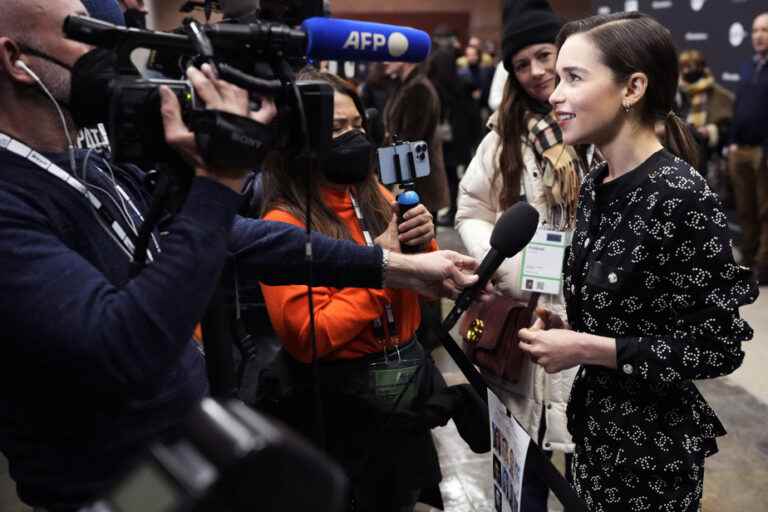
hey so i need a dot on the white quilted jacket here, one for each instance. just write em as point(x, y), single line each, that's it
point(478, 210)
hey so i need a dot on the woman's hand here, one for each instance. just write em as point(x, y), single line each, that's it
point(553, 346)
point(217, 95)
point(553, 349)
point(388, 239)
point(417, 228)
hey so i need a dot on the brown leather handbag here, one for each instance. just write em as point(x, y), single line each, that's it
point(489, 330)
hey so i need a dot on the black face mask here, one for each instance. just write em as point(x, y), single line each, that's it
point(693, 76)
point(349, 160)
point(135, 18)
point(90, 94)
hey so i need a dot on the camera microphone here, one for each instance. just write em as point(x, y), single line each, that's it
point(514, 229)
point(351, 40)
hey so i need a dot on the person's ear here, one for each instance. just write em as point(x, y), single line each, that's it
point(11, 62)
point(635, 89)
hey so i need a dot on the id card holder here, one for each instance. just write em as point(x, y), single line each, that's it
point(543, 260)
point(395, 380)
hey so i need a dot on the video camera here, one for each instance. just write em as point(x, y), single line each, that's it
point(253, 47)
point(229, 458)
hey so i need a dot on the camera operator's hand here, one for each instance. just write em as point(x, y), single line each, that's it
point(433, 274)
point(217, 95)
point(417, 228)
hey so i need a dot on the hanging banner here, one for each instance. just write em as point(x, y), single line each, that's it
point(720, 29)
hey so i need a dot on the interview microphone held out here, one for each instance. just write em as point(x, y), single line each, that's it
point(513, 231)
point(351, 40)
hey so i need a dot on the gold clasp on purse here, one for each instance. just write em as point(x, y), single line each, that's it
point(475, 331)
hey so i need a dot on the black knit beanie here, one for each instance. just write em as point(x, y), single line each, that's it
point(527, 22)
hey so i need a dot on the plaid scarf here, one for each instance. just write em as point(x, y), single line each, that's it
point(562, 168)
point(699, 93)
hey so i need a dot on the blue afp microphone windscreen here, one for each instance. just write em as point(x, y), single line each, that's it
point(339, 39)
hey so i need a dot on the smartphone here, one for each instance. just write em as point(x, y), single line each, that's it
point(403, 162)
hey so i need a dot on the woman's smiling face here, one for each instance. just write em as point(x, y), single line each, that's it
point(534, 69)
point(588, 100)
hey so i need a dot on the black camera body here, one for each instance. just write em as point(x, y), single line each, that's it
point(135, 126)
point(229, 458)
point(256, 55)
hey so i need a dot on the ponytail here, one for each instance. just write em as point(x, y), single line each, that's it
point(678, 139)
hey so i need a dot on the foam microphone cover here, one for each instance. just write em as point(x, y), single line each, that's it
point(514, 229)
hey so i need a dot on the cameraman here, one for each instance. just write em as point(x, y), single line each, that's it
point(97, 364)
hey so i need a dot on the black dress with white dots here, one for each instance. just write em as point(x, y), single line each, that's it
point(651, 265)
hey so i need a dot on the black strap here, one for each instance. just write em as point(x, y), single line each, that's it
point(541, 465)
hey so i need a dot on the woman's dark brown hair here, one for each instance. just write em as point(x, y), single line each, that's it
point(515, 102)
point(285, 181)
point(632, 42)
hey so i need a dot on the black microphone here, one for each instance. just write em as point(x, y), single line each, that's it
point(514, 229)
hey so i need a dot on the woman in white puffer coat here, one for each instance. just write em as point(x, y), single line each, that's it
point(532, 165)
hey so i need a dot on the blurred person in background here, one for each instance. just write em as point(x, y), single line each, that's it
point(413, 114)
point(479, 75)
point(524, 158)
point(748, 152)
point(377, 88)
point(710, 106)
point(135, 12)
point(460, 127)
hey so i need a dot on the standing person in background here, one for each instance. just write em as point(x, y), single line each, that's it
point(524, 158)
point(412, 114)
point(135, 13)
point(652, 291)
point(361, 333)
point(748, 152)
point(479, 75)
point(460, 127)
point(711, 105)
point(377, 88)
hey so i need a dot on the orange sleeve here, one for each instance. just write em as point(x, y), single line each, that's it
point(340, 315)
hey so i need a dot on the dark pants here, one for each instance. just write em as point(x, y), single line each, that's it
point(749, 176)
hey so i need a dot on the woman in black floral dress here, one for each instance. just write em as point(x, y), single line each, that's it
point(651, 287)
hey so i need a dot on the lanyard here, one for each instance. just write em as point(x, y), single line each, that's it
point(103, 216)
point(378, 328)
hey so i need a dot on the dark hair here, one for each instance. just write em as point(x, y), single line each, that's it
point(515, 102)
point(632, 42)
point(285, 181)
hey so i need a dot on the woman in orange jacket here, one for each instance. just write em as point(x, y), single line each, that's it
point(364, 337)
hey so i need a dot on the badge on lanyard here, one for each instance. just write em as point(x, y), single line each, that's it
point(396, 381)
point(543, 260)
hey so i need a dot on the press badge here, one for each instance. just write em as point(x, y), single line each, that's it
point(395, 380)
point(542, 262)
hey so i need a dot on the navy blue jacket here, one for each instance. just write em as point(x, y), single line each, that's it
point(95, 365)
point(750, 111)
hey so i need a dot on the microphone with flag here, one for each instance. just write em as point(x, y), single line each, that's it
point(512, 232)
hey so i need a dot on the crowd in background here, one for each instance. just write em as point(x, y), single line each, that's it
point(469, 78)
point(485, 114)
